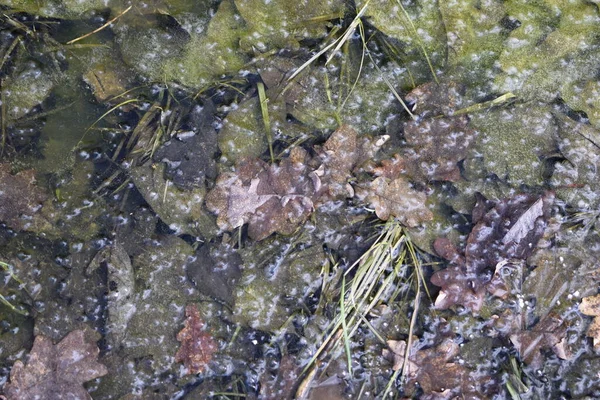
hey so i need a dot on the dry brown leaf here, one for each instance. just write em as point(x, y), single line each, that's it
point(197, 346)
point(398, 199)
point(56, 371)
point(591, 306)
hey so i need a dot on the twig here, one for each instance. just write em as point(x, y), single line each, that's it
point(100, 28)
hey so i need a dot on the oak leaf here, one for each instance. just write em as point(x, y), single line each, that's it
point(549, 333)
point(270, 198)
point(56, 371)
point(591, 306)
point(397, 199)
point(435, 371)
point(340, 156)
point(197, 346)
point(504, 230)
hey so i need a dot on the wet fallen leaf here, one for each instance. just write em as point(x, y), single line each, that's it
point(591, 306)
point(341, 154)
point(281, 386)
point(397, 199)
point(436, 141)
point(270, 198)
point(197, 346)
point(504, 230)
point(436, 146)
point(434, 371)
point(20, 200)
point(436, 99)
point(549, 333)
point(56, 371)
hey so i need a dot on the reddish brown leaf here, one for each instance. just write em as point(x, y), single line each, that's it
point(56, 371)
point(508, 229)
point(197, 346)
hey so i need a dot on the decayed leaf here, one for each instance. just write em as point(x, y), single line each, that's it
point(279, 198)
point(435, 372)
point(56, 371)
point(340, 155)
point(197, 346)
point(276, 198)
point(436, 146)
point(438, 140)
point(549, 333)
point(20, 200)
point(591, 306)
point(505, 230)
point(397, 199)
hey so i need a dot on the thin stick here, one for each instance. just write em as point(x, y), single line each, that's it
point(100, 28)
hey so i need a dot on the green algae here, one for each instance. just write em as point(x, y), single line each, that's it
point(182, 210)
point(555, 46)
point(514, 142)
point(514, 45)
point(475, 37)
point(282, 24)
point(418, 27)
point(56, 8)
point(207, 57)
point(576, 179)
point(278, 285)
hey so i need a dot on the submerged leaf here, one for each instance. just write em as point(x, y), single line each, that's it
point(197, 346)
point(437, 140)
point(276, 198)
point(434, 371)
point(508, 229)
point(549, 333)
point(398, 199)
point(56, 371)
point(20, 200)
point(591, 306)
